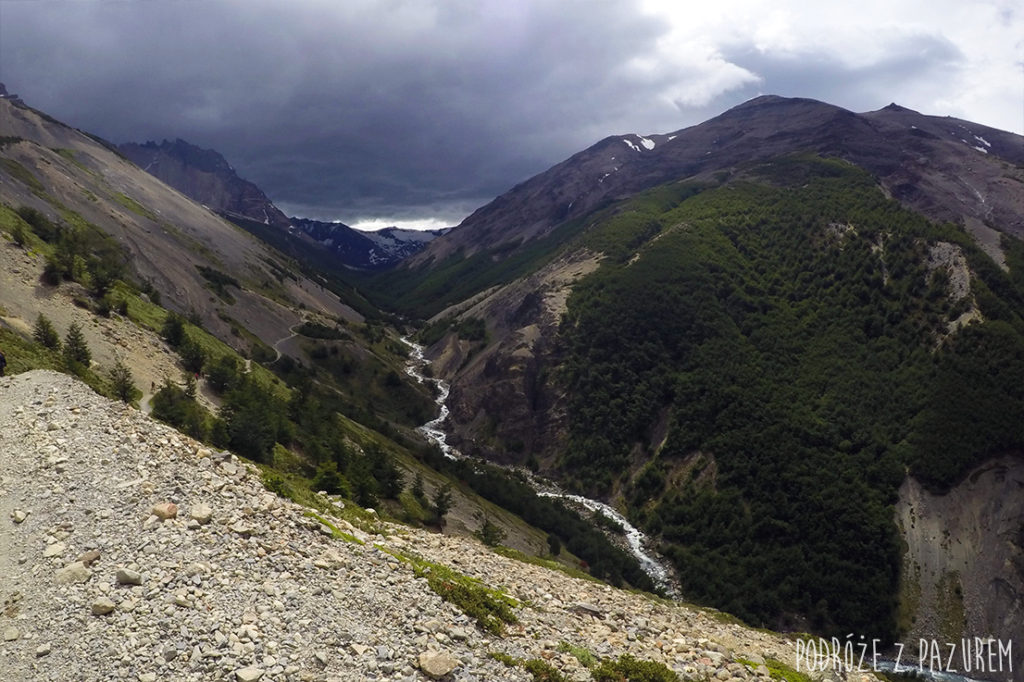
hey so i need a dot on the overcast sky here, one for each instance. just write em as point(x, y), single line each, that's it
point(422, 110)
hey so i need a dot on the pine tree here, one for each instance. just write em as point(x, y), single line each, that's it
point(76, 352)
point(122, 382)
point(442, 501)
point(44, 333)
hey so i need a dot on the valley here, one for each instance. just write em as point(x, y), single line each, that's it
point(785, 347)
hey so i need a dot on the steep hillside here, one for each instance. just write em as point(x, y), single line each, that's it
point(171, 242)
point(205, 176)
point(945, 168)
point(325, 403)
point(146, 556)
point(744, 360)
point(948, 169)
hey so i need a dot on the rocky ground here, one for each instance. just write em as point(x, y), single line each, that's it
point(130, 552)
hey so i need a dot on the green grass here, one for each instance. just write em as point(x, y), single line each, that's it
point(780, 671)
point(22, 174)
point(581, 654)
point(629, 669)
point(69, 154)
point(133, 206)
point(542, 671)
point(550, 564)
point(151, 316)
point(491, 608)
point(9, 220)
point(336, 532)
point(24, 355)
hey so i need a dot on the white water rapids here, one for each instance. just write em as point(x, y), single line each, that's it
point(435, 433)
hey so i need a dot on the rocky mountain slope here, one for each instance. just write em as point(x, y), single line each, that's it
point(666, 321)
point(170, 241)
point(129, 552)
point(949, 169)
point(205, 176)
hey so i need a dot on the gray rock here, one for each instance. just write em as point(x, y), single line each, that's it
point(201, 513)
point(437, 664)
point(126, 576)
point(249, 674)
point(11, 633)
point(56, 549)
point(102, 606)
point(73, 573)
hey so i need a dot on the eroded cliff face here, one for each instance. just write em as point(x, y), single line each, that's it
point(963, 566)
point(502, 404)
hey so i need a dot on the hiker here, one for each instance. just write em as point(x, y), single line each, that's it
point(3, 362)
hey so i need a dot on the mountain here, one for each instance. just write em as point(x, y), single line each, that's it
point(948, 169)
point(170, 243)
point(176, 556)
point(205, 176)
point(787, 343)
point(757, 337)
point(112, 276)
point(365, 250)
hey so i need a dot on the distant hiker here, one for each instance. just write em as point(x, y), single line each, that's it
point(3, 362)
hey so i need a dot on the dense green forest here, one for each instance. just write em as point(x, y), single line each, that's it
point(766, 359)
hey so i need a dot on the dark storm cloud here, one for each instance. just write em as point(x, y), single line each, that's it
point(403, 108)
point(338, 108)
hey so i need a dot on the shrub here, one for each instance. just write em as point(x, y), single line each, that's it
point(629, 669)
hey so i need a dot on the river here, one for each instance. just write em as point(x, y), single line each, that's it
point(434, 432)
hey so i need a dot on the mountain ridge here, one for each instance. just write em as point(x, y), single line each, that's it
point(763, 127)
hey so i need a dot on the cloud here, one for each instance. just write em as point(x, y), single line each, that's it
point(418, 109)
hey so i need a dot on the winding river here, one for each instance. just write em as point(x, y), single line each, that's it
point(434, 432)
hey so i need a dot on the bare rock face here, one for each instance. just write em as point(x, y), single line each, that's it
point(207, 177)
point(963, 571)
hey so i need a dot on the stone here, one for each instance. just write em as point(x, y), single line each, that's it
point(88, 558)
point(164, 510)
point(11, 634)
point(249, 674)
point(126, 576)
point(586, 609)
point(358, 649)
point(73, 573)
point(56, 549)
point(242, 529)
point(43, 649)
point(201, 513)
point(437, 664)
point(19, 516)
point(102, 606)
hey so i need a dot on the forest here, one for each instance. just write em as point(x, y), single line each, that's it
point(765, 361)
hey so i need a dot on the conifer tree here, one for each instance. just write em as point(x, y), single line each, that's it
point(44, 333)
point(76, 352)
point(122, 382)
